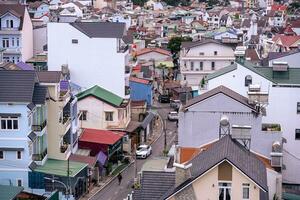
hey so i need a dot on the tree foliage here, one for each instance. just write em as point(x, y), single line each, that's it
point(174, 46)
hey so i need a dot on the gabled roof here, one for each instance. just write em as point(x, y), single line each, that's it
point(16, 9)
point(221, 89)
point(157, 50)
point(189, 45)
point(275, 55)
point(16, 85)
point(101, 94)
point(101, 29)
point(286, 40)
point(49, 76)
point(229, 150)
point(139, 80)
point(100, 136)
point(154, 184)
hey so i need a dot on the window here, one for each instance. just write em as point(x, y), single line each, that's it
point(184, 78)
point(18, 42)
point(19, 182)
point(74, 41)
point(192, 65)
point(248, 80)
point(201, 66)
point(12, 41)
point(201, 53)
point(224, 191)
point(246, 188)
point(19, 155)
point(11, 23)
point(298, 107)
point(5, 42)
point(83, 116)
point(7, 23)
point(212, 65)
point(9, 123)
point(297, 134)
point(109, 116)
point(1, 155)
point(215, 53)
point(231, 62)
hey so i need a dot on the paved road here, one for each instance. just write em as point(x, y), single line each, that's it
point(113, 191)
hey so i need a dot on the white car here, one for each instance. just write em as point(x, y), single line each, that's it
point(173, 116)
point(143, 151)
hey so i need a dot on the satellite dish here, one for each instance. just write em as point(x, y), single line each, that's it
point(224, 121)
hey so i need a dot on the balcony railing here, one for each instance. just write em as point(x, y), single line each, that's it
point(39, 128)
point(64, 148)
point(123, 49)
point(39, 157)
point(63, 95)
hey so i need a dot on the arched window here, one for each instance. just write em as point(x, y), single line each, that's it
point(11, 23)
point(248, 80)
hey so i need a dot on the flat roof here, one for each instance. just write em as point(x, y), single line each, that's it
point(59, 167)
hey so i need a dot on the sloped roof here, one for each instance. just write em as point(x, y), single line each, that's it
point(221, 89)
point(90, 160)
point(189, 45)
point(16, 85)
point(102, 94)
point(49, 76)
point(292, 76)
point(8, 192)
point(139, 80)
point(39, 94)
point(286, 40)
point(15, 9)
point(101, 29)
point(154, 185)
point(226, 149)
point(100, 136)
point(157, 50)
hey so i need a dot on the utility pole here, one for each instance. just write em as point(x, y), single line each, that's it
point(68, 173)
point(165, 134)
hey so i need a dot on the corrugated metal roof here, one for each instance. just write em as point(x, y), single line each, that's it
point(100, 136)
point(16, 85)
point(49, 76)
point(8, 192)
point(101, 94)
point(101, 29)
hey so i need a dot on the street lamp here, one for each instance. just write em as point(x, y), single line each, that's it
point(53, 180)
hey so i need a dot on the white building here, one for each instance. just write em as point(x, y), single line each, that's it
point(283, 87)
point(16, 33)
point(94, 53)
point(198, 59)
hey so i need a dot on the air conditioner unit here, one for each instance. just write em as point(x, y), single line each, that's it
point(276, 159)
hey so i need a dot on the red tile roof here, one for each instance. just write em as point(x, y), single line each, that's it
point(277, 7)
point(157, 50)
point(139, 80)
point(286, 40)
point(100, 136)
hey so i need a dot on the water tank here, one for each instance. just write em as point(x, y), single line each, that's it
point(224, 121)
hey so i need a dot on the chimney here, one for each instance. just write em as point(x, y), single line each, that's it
point(182, 173)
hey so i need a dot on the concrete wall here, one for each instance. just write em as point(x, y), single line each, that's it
point(96, 114)
point(281, 109)
point(27, 38)
point(12, 168)
point(93, 61)
point(40, 39)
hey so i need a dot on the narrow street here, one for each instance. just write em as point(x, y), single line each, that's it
point(114, 191)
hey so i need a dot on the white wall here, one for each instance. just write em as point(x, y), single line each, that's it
point(281, 109)
point(153, 55)
point(27, 38)
point(93, 61)
point(40, 39)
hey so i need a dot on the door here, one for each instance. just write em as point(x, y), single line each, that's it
point(224, 191)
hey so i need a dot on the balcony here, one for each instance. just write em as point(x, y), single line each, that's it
point(40, 129)
point(64, 96)
point(40, 158)
point(64, 148)
point(13, 50)
point(271, 128)
point(10, 31)
point(123, 48)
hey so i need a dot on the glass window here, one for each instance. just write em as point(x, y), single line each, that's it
point(297, 134)
point(215, 53)
point(298, 107)
point(192, 65)
point(19, 182)
point(224, 191)
point(201, 66)
point(212, 65)
point(19, 155)
point(7, 23)
point(246, 188)
point(74, 41)
point(248, 80)
point(3, 124)
point(109, 116)
point(11, 23)
point(5, 42)
point(18, 42)
point(1, 155)
point(13, 42)
point(9, 124)
point(83, 116)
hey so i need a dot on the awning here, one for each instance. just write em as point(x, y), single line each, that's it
point(147, 120)
point(132, 126)
point(10, 114)
point(11, 149)
point(32, 165)
point(32, 136)
point(59, 167)
point(31, 106)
